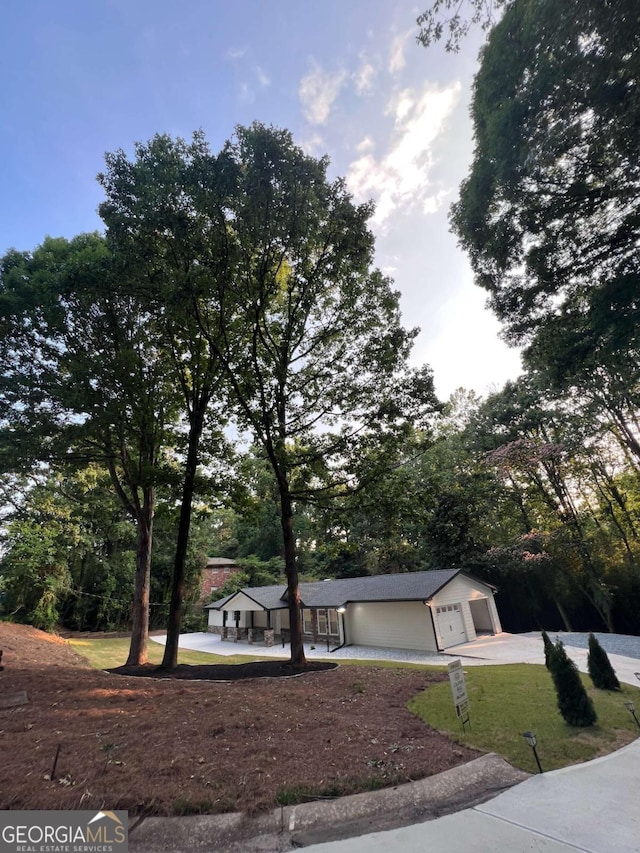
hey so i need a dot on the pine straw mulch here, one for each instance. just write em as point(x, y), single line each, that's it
point(172, 746)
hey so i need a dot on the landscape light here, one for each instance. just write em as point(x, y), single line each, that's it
point(631, 708)
point(532, 740)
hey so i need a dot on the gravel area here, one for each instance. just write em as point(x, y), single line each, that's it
point(614, 644)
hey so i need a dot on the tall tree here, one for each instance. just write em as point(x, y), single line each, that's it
point(83, 378)
point(321, 373)
point(165, 212)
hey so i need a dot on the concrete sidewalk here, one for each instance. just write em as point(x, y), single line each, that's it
point(591, 807)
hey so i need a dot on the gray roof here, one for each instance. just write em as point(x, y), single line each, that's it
point(409, 586)
point(269, 597)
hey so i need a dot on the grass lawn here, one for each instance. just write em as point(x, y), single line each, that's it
point(106, 654)
point(508, 700)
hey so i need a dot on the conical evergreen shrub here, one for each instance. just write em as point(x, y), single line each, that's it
point(575, 705)
point(599, 666)
point(548, 649)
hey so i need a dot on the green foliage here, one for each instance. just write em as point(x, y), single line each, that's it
point(599, 666)
point(574, 704)
point(549, 212)
point(548, 649)
point(445, 17)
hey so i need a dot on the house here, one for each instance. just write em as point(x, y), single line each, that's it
point(217, 571)
point(426, 611)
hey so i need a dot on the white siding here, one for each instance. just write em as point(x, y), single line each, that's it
point(497, 626)
point(240, 601)
point(393, 625)
point(215, 617)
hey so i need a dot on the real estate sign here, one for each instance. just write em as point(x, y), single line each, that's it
point(459, 688)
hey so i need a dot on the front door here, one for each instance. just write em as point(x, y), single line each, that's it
point(451, 625)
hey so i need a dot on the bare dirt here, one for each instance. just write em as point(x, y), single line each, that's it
point(179, 746)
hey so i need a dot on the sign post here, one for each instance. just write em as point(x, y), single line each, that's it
point(459, 690)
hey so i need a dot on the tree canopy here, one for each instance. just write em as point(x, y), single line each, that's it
point(550, 211)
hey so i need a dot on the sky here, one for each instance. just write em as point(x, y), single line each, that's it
point(348, 79)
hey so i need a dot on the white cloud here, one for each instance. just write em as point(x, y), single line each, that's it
point(246, 93)
point(365, 145)
point(473, 356)
point(363, 77)
point(401, 179)
point(313, 145)
point(235, 53)
point(263, 77)
point(396, 55)
point(318, 90)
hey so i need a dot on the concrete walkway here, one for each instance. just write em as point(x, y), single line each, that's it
point(591, 807)
point(499, 649)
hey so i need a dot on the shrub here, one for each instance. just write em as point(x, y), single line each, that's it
point(573, 702)
point(599, 666)
point(548, 649)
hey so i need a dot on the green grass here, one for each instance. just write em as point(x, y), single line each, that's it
point(105, 654)
point(508, 700)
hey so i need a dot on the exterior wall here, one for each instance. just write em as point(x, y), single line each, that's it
point(213, 578)
point(214, 624)
point(391, 624)
point(493, 610)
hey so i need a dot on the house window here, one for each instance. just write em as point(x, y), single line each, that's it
point(323, 615)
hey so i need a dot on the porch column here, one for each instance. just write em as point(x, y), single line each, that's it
point(314, 626)
point(224, 624)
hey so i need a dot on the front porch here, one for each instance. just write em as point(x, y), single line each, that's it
point(244, 620)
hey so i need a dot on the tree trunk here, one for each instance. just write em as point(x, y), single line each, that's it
point(170, 657)
point(140, 621)
point(298, 660)
point(563, 615)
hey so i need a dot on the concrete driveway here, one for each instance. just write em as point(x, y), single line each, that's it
point(498, 649)
point(516, 648)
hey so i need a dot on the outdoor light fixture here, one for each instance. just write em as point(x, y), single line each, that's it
point(342, 609)
point(631, 708)
point(532, 740)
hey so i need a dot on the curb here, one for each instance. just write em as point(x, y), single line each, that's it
point(292, 827)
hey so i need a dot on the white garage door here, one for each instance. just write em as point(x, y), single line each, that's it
point(451, 625)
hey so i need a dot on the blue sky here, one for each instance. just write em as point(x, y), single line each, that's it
point(82, 77)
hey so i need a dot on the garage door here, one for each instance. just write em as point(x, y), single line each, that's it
point(451, 625)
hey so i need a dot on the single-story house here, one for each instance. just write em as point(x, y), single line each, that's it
point(426, 611)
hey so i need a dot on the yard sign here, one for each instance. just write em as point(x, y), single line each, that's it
point(459, 690)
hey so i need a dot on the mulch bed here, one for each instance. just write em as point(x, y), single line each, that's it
point(224, 671)
point(174, 746)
